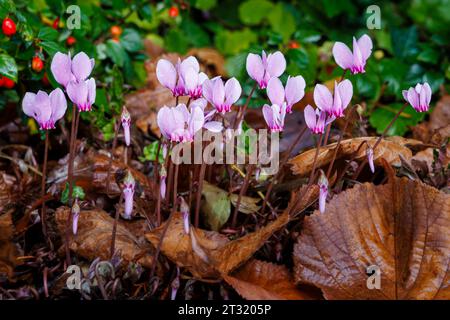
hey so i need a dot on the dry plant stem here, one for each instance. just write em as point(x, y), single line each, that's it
point(349, 162)
point(198, 199)
point(361, 166)
point(242, 193)
point(327, 134)
point(315, 161)
point(158, 194)
point(175, 188)
point(158, 248)
point(114, 230)
point(75, 117)
point(336, 149)
point(241, 113)
point(111, 157)
point(44, 178)
point(285, 159)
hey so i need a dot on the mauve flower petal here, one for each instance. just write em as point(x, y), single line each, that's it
point(413, 98)
point(275, 91)
point(190, 77)
point(322, 199)
point(255, 67)
point(190, 62)
point(310, 117)
point(161, 120)
point(183, 110)
point(207, 90)
point(28, 105)
point(199, 103)
point(78, 92)
point(276, 64)
point(166, 74)
point(81, 66)
point(218, 93)
point(428, 91)
point(342, 55)
point(196, 121)
point(268, 114)
point(365, 46)
point(323, 98)
point(295, 90)
point(42, 107)
point(405, 94)
point(213, 126)
point(58, 104)
point(357, 55)
point(128, 197)
point(233, 91)
point(92, 91)
point(126, 133)
point(202, 77)
point(345, 89)
point(61, 68)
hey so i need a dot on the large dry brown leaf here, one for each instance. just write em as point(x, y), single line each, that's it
point(7, 194)
point(259, 280)
point(8, 250)
point(93, 238)
point(402, 227)
point(389, 149)
point(208, 254)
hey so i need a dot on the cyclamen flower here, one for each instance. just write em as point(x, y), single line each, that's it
point(418, 97)
point(369, 153)
point(262, 68)
point(334, 106)
point(315, 120)
point(184, 78)
point(274, 116)
point(82, 94)
point(222, 96)
point(293, 93)
point(356, 61)
point(128, 194)
point(323, 191)
point(178, 124)
point(75, 216)
point(66, 70)
point(162, 182)
point(209, 124)
point(126, 123)
point(45, 109)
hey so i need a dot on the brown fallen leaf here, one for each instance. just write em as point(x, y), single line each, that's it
point(428, 157)
point(208, 254)
point(259, 280)
point(388, 148)
point(93, 238)
point(212, 62)
point(437, 129)
point(9, 251)
point(7, 195)
point(403, 228)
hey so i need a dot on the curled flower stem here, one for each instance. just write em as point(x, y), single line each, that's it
point(361, 166)
point(311, 177)
point(199, 193)
point(327, 134)
point(114, 230)
point(111, 156)
point(242, 193)
point(44, 178)
point(285, 159)
point(240, 114)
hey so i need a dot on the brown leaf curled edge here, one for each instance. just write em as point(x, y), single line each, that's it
point(402, 227)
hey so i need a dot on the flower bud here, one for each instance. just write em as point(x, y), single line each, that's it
point(128, 193)
point(369, 153)
point(162, 181)
point(126, 123)
point(323, 191)
point(75, 216)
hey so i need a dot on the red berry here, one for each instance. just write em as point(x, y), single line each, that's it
point(71, 41)
point(173, 12)
point(116, 31)
point(37, 64)
point(8, 27)
point(55, 23)
point(8, 83)
point(294, 45)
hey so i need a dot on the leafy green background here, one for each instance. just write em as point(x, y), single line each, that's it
point(411, 46)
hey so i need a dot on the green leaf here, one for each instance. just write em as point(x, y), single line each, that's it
point(116, 52)
point(48, 34)
point(117, 84)
point(334, 8)
point(205, 4)
point(150, 151)
point(235, 65)
point(77, 192)
point(429, 55)
point(404, 42)
point(176, 41)
point(382, 116)
point(393, 72)
point(252, 12)
point(233, 42)
point(50, 47)
point(131, 40)
point(282, 21)
point(196, 35)
point(216, 207)
point(8, 67)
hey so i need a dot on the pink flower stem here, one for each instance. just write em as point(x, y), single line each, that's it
point(240, 114)
point(111, 157)
point(311, 177)
point(361, 166)
point(199, 194)
point(44, 178)
point(158, 194)
point(242, 193)
point(285, 159)
point(114, 230)
point(175, 187)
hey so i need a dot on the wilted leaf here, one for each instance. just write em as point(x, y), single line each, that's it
point(208, 254)
point(6, 189)
point(216, 206)
point(93, 238)
point(403, 228)
point(259, 280)
point(248, 205)
point(8, 250)
point(388, 149)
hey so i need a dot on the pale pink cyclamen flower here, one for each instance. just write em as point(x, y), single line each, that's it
point(263, 68)
point(222, 96)
point(274, 116)
point(323, 191)
point(128, 194)
point(66, 70)
point(316, 120)
point(418, 97)
point(162, 182)
point(45, 108)
point(334, 106)
point(209, 124)
point(75, 216)
point(369, 153)
point(291, 94)
point(125, 119)
point(178, 124)
point(82, 94)
point(182, 79)
point(356, 61)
